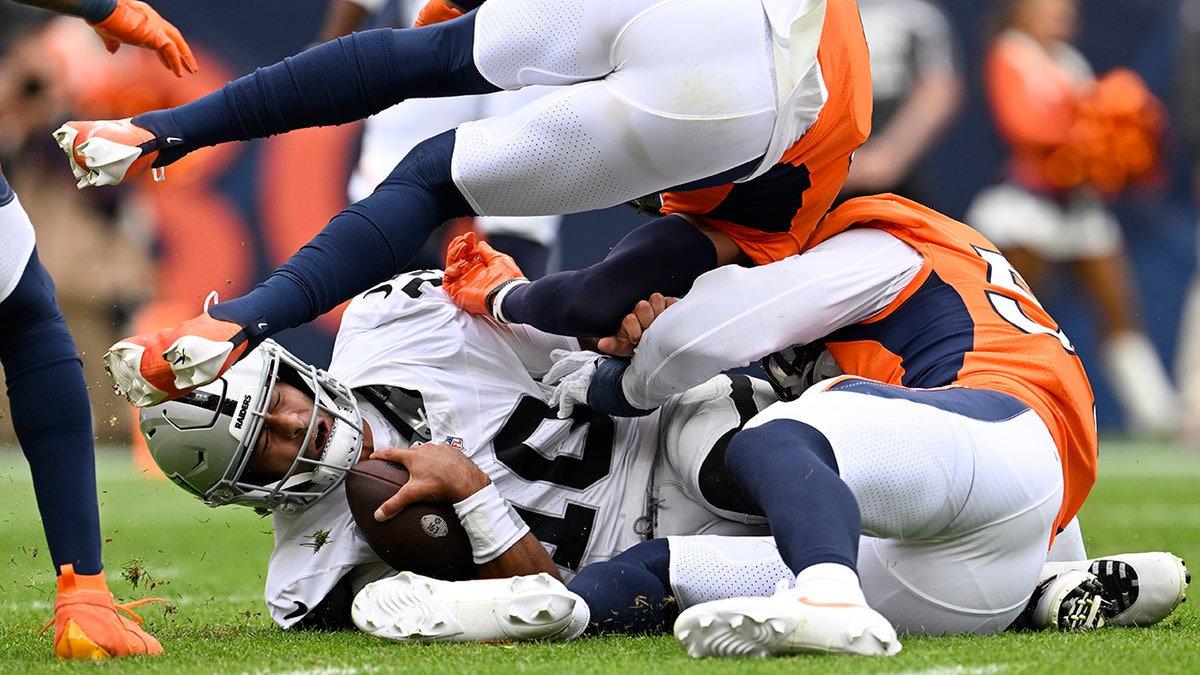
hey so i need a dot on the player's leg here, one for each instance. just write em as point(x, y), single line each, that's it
point(958, 488)
point(692, 491)
point(52, 419)
point(789, 470)
point(559, 154)
point(643, 589)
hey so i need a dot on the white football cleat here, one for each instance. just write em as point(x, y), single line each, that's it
point(409, 607)
point(1066, 599)
point(785, 623)
point(1140, 588)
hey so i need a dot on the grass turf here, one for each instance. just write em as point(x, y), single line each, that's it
point(208, 564)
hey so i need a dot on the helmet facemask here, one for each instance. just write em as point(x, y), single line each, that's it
point(205, 440)
point(793, 370)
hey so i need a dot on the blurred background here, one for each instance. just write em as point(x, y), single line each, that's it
point(141, 256)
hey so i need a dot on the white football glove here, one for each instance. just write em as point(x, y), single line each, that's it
point(571, 375)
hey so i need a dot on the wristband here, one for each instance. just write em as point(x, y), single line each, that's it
point(495, 299)
point(95, 11)
point(492, 524)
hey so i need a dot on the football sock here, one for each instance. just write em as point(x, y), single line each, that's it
point(369, 241)
point(52, 418)
point(664, 255)
point(788, 469)
point(340, 81)
point(631, 593)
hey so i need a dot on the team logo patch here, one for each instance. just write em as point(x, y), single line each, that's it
point(455, 442)
point(435, 526)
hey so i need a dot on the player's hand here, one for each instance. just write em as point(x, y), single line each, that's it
point(571, 375)
point(475, 274)
point(436, 11)
point(136, 23)
point(436, 473)
point(627, 337)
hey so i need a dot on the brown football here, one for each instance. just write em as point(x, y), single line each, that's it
point(426, 538)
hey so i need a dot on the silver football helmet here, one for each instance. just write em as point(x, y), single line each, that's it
point(793, 370)
point(204, 440)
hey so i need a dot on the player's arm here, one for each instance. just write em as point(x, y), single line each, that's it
point(734, 316)
point(501, 542)
point(129, 22)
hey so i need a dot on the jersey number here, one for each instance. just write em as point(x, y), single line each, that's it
point(569, 533)
point(1001, 273)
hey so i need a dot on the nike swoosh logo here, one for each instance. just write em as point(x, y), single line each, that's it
point(174, 139)
point(262, 325)
point(386, 289)
point(301, 610)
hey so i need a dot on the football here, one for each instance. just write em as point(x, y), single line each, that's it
point(426, 538)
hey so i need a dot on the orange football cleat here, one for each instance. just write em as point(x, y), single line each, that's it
point(150, 369)
point(87, 624)
point(478, 276)
point(108, 151)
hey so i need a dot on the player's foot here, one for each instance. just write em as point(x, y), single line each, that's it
point(150, 369)
point(411, 608)
point(107, 152)
point(1140, 589)
point(785, 623)
point(1065, 599)
point(86, 622)
point(478, 276)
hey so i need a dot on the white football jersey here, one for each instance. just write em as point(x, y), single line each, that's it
point(580, 483)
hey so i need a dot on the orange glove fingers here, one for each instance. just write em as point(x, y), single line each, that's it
point(436, 11)
point(136, 23)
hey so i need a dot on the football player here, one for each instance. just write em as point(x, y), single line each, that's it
point(410, 367)
point(739, 116)
point(541, 497)
point(51, 414)
point(960, 441)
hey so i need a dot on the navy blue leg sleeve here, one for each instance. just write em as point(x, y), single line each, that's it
point(630, 594)
point(788, 469)
point(664, 255)
point(340, 81)
point(52, 418)
point(367, 243)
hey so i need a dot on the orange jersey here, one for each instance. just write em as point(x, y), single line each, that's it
point(776, 214)
point(991, 333)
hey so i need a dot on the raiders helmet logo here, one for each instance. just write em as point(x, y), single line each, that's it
point(435, 526)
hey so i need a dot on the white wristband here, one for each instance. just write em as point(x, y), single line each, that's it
point(492, 524)
point(496, 302)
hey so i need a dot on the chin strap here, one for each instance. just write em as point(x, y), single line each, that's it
point(403, 408)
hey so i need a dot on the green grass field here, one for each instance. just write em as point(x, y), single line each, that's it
point(208, 564)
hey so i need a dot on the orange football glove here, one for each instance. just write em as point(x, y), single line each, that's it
point(87, 624)
point(436, 11)
point(136, 23)
point(478, 276)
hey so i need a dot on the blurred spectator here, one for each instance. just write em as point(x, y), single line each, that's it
point(1075, 141)
point(389, 135)
point(95, 246)
point(1185, 108)
point(917, 90)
